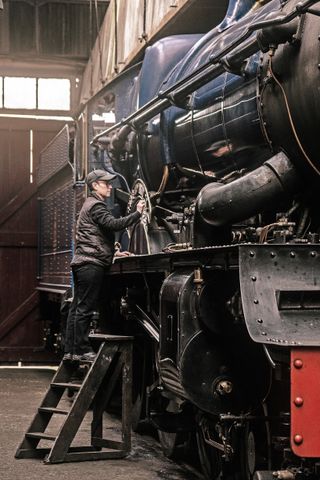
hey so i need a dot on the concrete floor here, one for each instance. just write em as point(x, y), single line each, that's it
point(20, 394)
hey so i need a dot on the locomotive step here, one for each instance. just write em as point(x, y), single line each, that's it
point(71, 386)
point(58, 411)
point(41, 435)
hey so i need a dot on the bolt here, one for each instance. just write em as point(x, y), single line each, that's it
point(298, 401)
point(224, 387)
point(298, 439)
point(298, 363)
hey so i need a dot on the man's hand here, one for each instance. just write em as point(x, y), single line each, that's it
point(141, 206)
point(118, 254)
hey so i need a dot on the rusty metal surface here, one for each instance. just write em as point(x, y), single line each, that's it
point(305, 395)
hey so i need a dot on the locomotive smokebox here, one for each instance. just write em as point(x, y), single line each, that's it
point(289, 100)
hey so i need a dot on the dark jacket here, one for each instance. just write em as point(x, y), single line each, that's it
point(95, 232)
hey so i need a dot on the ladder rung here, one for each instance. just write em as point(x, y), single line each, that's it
point(45, 436)
point(71, 386)
point(53, 410)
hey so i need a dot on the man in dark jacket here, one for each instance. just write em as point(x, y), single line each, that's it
point(93, 257)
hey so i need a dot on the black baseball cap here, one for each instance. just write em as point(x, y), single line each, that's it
point(96, 175)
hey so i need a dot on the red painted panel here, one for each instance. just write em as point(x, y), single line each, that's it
point(305, 402)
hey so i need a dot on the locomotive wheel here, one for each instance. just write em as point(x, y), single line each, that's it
point(142, 376)
point(175, 445)
point(138, 233)
point(169, 443)
point(248, 454)
point(210, 457)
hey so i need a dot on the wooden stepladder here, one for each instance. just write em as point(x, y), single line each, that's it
point(114, 358)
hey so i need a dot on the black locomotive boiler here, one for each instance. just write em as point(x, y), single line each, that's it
point(219, 133)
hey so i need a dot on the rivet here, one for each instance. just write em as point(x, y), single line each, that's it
point(272, 254)
point(251, 254)
point(253, 278)
point(298, 439)
point(292, 254)
point(255, 301)
point(298, 401)
point(298, 363)
point(260, 320)
point(312, 254)
point(263, 333)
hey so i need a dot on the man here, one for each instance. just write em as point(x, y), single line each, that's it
point(93, 257)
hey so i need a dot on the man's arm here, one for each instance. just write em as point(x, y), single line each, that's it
point(106, 220)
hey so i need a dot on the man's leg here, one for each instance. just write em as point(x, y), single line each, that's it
point(89, 280)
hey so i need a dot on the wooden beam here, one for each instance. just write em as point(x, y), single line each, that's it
point(15, 317)
point(21, 239)
point(17, 202)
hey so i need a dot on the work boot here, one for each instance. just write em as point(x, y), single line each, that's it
point(67, 357)
point(88, 357)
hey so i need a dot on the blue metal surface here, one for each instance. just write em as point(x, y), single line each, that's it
point(159, 60)
point(221, 118)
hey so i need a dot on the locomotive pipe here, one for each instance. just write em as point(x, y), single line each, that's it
point(208, 71)
point(220, 204)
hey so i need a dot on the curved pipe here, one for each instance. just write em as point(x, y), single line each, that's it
point(274, 181)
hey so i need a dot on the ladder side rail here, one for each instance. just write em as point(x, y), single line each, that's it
point(127, 396)
point(40, 421)
point(101, 401)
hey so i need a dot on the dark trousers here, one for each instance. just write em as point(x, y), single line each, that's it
point(88, 281)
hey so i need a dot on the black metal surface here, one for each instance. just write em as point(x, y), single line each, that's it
point(295, 66)
point(280, 287)
point(195, 359)
point(262, 189)
point(220, 258)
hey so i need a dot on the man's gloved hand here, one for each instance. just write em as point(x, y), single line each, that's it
point(118, 254)
point(141, 206)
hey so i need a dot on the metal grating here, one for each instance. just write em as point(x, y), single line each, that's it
point(55, 156)
point(56, 239)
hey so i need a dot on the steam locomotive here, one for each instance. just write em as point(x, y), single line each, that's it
point(219, 134)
